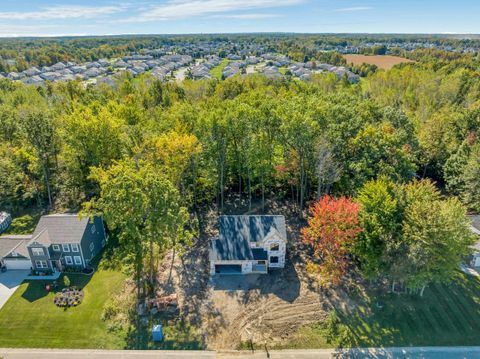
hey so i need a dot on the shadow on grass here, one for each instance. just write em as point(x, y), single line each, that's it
point(37, 289)
point(447, 314)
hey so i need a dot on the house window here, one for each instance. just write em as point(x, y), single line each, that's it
point(75, 248)
point(103, 243)
point(93, 229)
point(275, 247)
point(92, 246)
point(273, 259)
point(65, 247)
point(41, 264)
point(38, 252)
point(56, 247)
point(68, 260)
point(77, 260)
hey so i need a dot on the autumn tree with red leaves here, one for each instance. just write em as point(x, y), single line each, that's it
point(333, 224)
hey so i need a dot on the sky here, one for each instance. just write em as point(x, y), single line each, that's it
point(108, 17)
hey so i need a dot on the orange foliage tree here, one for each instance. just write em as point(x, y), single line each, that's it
point(333, 224)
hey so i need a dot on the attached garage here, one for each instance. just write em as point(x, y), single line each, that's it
point(228, 268)
point(15, 264)
point(14, 252)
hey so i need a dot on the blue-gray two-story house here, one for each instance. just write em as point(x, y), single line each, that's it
point(65, 240)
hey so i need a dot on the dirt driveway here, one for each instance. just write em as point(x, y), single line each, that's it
point(260, 308)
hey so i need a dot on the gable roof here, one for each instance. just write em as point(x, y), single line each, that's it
point(59, 228)
point(237, 232)
point(14, 242)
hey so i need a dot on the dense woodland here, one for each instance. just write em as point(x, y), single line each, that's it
point(398, 155)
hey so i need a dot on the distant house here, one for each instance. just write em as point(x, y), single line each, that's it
point(59, 241)
point(475, 262)
point(5, 220)
point(248, 244)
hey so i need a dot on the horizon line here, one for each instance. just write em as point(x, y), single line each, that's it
point(52, 36)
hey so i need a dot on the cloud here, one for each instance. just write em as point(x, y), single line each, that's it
point(247, 16)
point(63, 12)
point(353, 9)
point(180, 9)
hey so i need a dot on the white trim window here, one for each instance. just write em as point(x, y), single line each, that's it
point(75, 247)
point(92, 247)
point(275, 247)
point(56, 247)
point(68, 260)
point(65, 247)
point(41, 264)
point(93, 229)
point(38, 252)
point(78, 260)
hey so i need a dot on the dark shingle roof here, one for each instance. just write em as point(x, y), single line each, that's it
point(237, 232)
point(60, 228)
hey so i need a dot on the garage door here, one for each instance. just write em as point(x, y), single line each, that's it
point(228, 269)
point(13, 264)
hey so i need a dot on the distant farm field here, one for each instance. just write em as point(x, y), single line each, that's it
point(381, 61)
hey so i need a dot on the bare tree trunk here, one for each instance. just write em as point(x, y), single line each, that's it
point(151, 263)
point(47, 182)
point(249, 190)
point(263, 195)
point(171, 266)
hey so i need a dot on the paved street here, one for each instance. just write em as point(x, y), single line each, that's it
point(9, 282)
point(102, 354)
point(374, 353)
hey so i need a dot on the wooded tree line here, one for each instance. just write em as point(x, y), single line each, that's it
point(144, 150)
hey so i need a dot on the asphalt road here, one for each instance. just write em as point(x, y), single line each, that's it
point(374, 353)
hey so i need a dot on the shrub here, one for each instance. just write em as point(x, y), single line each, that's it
point(66, 281)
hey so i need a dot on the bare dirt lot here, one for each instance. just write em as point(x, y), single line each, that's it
point(230, 310)
point(385, 62)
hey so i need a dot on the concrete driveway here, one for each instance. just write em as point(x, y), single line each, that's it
point(9, 282)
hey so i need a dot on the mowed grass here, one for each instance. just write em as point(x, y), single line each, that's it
point(447, 315)
point(30, 319)
point(385, 62)
point(216, 71)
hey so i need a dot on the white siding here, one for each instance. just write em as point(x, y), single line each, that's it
point(13, 264)
point(280, 253)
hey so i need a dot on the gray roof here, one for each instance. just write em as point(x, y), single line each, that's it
point(237, 232)
point(10, 242)
point(60, 228)
point(475, 222)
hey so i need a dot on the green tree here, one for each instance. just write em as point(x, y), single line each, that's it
point(436, 233)
point(380, 219)
point(140, 204)
point(39, 128)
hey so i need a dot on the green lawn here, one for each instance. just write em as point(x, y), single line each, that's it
point(30, 319)
point(446, 315)
point(216, 71)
